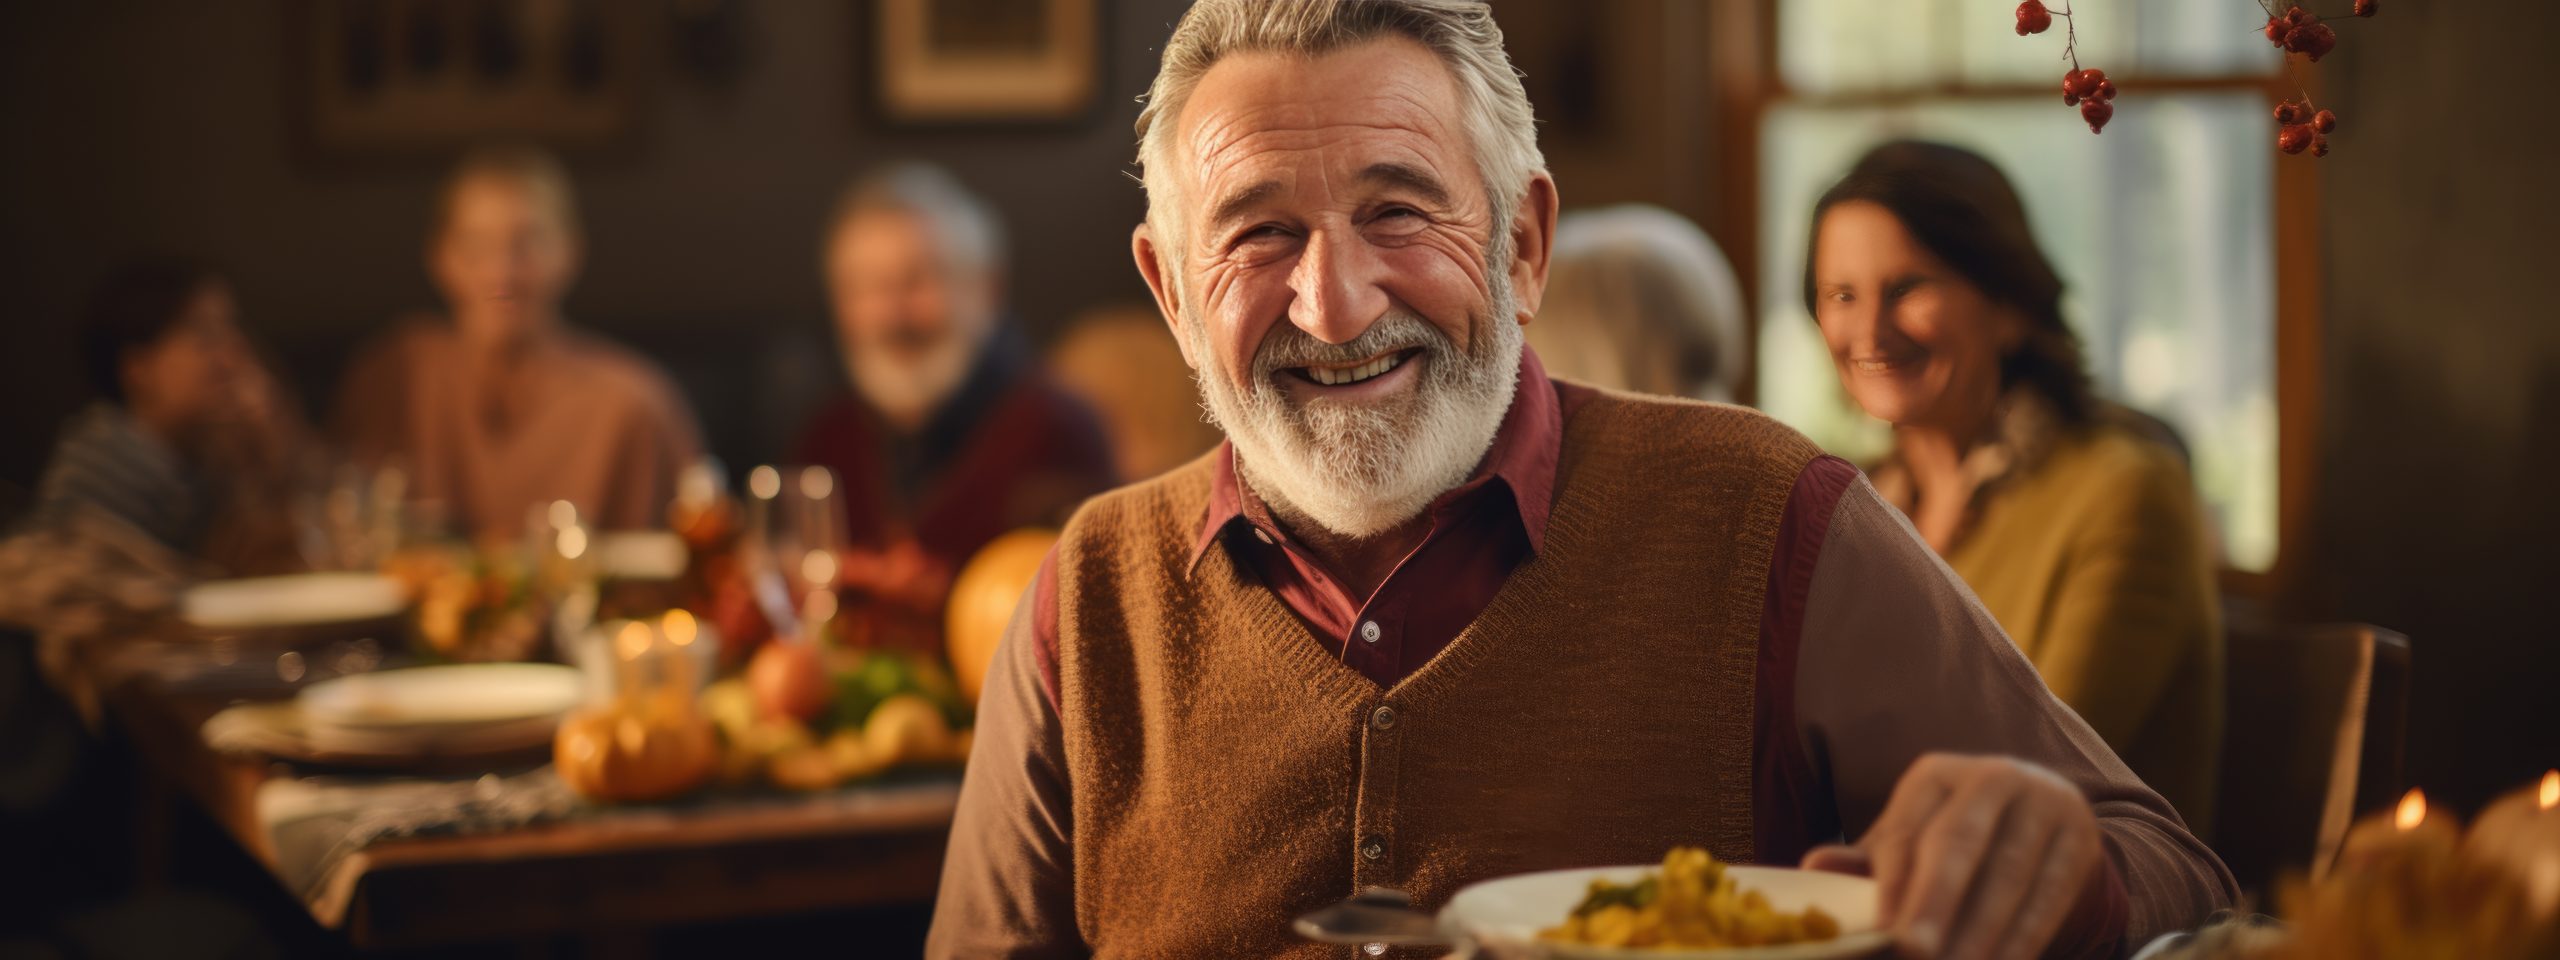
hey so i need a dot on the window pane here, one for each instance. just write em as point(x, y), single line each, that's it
point(1990, 51)
point(1837, 46)
point(1833, 45)
point(2192, 38)
point(2162, 229)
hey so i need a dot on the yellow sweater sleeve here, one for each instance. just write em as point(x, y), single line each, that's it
point(2135, 596)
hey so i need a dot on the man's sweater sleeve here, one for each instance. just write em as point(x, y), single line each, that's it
point(1899, 659)
point(1008, 881)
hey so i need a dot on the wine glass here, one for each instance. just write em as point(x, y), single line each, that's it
point(817, 521)
point(790, 556)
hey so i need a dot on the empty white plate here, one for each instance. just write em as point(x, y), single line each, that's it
point(296, 600)
point(280, 730)
point(461, 695)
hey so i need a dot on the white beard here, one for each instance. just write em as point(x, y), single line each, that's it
point(906, 391)
point(1359, 471)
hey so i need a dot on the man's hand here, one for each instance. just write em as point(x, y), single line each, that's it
point(1975, 857)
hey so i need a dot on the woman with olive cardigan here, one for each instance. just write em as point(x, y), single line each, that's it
point(2078, 529)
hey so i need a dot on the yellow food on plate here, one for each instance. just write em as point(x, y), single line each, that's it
point(1690, 905)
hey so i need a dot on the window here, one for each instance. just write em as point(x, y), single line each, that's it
point(2164, 228)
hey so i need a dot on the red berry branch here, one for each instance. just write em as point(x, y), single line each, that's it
point(2090, 90)
point(2300, 125)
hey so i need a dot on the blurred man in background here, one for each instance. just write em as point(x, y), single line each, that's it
point(507, 407)
point(951, 434)
point(1639, 298)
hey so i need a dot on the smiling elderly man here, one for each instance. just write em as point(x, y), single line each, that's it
point(1430, 617)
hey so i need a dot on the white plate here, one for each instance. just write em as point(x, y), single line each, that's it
point(462, 695)
point(280, 730)
point(298, 600)
point(1504, 916)
point(640, 555)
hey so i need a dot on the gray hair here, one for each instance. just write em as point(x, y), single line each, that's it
point(1494, 107)
point(1639, 298)
point(967, 228)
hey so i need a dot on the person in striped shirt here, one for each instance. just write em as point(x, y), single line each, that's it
point(179, 468)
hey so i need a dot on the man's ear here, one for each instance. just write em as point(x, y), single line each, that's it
point(1533, 240)
point(1142, 247)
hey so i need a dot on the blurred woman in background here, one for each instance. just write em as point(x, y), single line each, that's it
point(506, 406)
point(1639, 299)
point(2081, 535)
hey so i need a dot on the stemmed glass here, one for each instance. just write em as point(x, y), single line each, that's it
point(798, 517)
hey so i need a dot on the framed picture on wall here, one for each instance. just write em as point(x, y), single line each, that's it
point(984, 61)
point(385, 77)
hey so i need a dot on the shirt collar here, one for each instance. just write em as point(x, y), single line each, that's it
point(1523, 457)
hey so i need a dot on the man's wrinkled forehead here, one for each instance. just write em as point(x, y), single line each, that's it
point(1261, 116)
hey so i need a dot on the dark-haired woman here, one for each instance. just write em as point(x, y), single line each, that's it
point(2080, 533)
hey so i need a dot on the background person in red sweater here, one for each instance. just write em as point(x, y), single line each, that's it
point(951, 434)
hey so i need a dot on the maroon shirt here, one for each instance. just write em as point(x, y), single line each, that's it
point(1479, 533)
point(1009, 449)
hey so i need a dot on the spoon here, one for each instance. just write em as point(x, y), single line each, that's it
point(1380, 915)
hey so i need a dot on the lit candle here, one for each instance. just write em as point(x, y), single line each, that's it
point(679, 629)
point(2409, 830)
point(2520, 832)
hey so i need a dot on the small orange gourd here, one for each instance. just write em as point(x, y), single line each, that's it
point(652, 740)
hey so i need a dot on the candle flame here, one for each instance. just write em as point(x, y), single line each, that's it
point(680, 627)
point(2413, 810)
point(2551, 789)
point(633, 642)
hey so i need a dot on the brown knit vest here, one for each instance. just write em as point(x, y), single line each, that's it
point(1228, 773)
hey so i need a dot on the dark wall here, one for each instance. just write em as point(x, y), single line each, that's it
point(2442, 434)
point(165, 125)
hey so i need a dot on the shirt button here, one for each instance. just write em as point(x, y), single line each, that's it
point(1374, 949)
point(1369, 631)
point(1373, 849)
point(1262, 534)
point(1383, 718)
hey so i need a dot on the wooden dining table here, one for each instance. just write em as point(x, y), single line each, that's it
point(710, 858)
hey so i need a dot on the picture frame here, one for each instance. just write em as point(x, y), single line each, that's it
point(410, 78)
point(968, 62)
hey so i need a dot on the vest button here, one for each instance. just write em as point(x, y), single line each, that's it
point(1369, 631)
point(1374, 949)
point(1384, 718)
point(1373, 849)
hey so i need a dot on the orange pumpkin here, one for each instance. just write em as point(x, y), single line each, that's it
point(652, 741)
point(622, 755)
point(982, 600)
